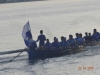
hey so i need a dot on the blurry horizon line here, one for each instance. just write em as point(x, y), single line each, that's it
point(15, 1)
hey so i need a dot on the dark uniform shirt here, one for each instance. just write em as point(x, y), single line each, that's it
point(32, 45)
point(41, 39)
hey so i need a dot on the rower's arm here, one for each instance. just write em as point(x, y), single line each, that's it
point(37, 39)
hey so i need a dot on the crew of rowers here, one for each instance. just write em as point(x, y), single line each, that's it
point(79, 40)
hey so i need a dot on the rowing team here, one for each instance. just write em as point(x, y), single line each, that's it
point(79, 40)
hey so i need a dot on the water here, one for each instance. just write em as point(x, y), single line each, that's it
point(57, 18)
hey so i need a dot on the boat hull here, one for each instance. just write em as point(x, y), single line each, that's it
point(42, 54)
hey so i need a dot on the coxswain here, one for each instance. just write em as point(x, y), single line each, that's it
point(41, 38)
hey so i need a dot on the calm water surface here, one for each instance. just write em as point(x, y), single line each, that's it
point(56, 18)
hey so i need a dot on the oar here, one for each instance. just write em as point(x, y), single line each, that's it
point(17, 55)
point(12, 51)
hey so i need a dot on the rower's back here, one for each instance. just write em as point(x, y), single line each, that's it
point(32, 45)
point(86, 37)
point(48, 44)
point(80, 40)
point(71, 41)
point(55, 44)
point(95, 35)
point(90, 38)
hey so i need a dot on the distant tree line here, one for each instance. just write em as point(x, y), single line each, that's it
point(2, 1)
point(5, 1)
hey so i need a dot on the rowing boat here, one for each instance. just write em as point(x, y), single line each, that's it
point(45, 53)
point(42, 54)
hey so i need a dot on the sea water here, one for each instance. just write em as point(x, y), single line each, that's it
point(56, 18)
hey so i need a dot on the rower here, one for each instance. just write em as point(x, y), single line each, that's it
point(71, 41)
point(95, 35)
point(77, 36)
point(32, 45)
point(90, 39)
point(98, 37)
point(62, 42)
point(41, 38)
point(80, 40)
point(48, 44)
point(86, 37)
point(65, 42)
point(55, 44)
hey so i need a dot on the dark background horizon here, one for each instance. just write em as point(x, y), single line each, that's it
point(12, 1)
